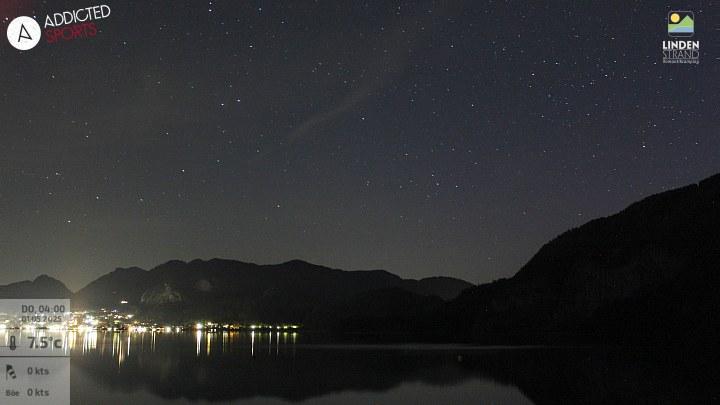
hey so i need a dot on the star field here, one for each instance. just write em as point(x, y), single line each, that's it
point(424, 138)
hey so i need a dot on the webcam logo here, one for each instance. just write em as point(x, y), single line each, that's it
point(681, 24)
point(24, 33)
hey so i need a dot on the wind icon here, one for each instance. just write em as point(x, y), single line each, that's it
point(9, 372)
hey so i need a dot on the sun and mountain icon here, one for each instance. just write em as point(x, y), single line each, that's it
point(681, 23)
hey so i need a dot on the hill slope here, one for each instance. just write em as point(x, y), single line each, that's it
point(649, 274)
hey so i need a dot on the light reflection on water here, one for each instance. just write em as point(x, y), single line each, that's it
point(262, 367)
point(120, 344)
point(281, 367)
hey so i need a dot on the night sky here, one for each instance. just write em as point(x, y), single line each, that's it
point(425, 137)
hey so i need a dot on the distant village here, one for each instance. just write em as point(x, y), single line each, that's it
point(116, 320)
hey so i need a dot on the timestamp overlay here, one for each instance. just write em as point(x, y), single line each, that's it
point(34, 351)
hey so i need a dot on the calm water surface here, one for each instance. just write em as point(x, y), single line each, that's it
point(297, 368)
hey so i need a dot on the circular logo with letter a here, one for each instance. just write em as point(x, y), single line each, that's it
point(24, 33)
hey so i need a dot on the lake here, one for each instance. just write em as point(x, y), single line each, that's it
point(303, 368)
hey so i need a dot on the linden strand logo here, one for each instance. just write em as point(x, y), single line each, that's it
point(24, 32)
point(681, 24)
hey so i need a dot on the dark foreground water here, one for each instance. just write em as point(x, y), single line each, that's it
point(281, 368)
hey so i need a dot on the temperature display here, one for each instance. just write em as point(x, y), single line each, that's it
point(34, 352)
point(44, 342)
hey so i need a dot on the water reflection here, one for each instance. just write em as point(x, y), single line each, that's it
point(119, 345)
point(166, 367)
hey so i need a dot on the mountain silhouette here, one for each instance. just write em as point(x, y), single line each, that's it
point(43, 287)
point(646, 275)
point(295, 291)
